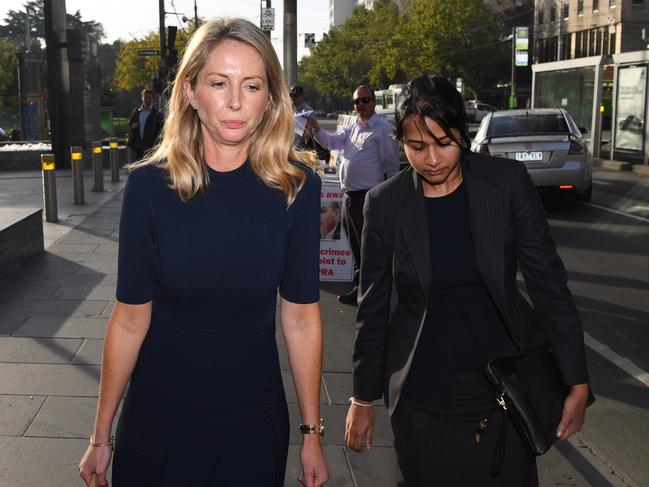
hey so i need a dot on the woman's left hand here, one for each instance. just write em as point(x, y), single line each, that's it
point(315, 471)
point(574, 411)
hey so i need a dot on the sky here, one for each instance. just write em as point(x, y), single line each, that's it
point(128, 19)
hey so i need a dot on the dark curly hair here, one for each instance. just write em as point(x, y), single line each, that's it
point(434, 97)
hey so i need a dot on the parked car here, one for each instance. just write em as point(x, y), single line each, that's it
point(546, 140)
point(476, 110)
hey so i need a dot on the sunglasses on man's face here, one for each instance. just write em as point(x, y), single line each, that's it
point(362, 99)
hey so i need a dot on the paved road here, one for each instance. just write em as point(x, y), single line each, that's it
point(605, 246)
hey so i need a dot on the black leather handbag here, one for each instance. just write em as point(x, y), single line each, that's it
point(531, 392)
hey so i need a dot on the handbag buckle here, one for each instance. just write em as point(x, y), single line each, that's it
point(501, 400)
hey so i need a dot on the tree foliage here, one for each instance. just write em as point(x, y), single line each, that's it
point(385, 45)
point(8, 78)
point(135, 71)
point(15, 24)
point(353, 53)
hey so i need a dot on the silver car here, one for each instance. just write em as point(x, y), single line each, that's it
point(546, 140)
point(476, 110)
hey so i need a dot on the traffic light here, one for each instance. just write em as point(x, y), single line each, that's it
point(172, 53)
point(171, 37)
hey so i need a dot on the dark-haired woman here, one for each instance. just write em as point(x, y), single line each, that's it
point(441, 247)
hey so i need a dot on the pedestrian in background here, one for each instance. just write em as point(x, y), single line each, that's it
point(297, 97)
point(441, 247)
point(305, 139)
point(222, 216)
point(145, 125)
point(369, 157)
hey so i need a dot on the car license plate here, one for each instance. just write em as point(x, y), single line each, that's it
point(529, 156)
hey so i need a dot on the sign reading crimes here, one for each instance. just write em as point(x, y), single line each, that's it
point(336, 261)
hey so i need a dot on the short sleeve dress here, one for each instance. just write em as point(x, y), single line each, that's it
point(205, 405)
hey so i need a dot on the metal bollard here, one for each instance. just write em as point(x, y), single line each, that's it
point(123, 151)
point(129, 152)
point(76, 156)
point(49, 187)
point(114, 160)
point(97, 167)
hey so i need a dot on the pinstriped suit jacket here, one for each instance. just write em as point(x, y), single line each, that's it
point(510, 233)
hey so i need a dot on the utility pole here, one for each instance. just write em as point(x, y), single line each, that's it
point(290, 41)
point(163, 42)
point(512, 94)
point(195, 15)
point(58, 77)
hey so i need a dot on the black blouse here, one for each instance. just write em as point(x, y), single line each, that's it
point(463, 328)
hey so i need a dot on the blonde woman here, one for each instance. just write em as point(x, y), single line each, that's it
point(218, 219)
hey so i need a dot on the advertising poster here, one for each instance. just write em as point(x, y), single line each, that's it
point(522, 42)
point(630, 113)
point(336, 261)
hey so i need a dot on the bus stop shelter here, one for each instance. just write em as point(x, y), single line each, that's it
point(602, 93)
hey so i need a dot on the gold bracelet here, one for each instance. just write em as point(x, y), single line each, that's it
point(110, 442)
point(313, 429)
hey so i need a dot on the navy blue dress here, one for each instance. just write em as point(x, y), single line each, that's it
point(206, 405)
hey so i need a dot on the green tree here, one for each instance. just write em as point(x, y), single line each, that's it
point(354, 53)
point(15, 24)
point(451, 37)
point(135, 71)
point(382, 26)
point(8, 78)
point(340, 60)
point(384, 46)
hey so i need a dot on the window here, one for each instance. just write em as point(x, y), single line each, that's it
point(612, 3)
point(553, 13)
point(529, 123)
point(592, 38)
point(554, 48)
point(540, 16)
point(637, 2)
point(595, 5)
point(598, 42)
point(566, 46)
point(580, 7)
point(565, 9)
point(578, 42)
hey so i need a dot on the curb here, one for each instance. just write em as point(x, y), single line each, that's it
point(612, 165)
point(641, 170)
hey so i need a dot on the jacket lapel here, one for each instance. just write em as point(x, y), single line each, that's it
point(488, 217)
point(413, 221)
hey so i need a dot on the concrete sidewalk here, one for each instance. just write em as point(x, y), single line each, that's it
point(53, 314)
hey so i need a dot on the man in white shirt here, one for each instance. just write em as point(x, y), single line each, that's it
point(369, 157)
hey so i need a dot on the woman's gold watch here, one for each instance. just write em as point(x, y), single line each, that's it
point(313, 429)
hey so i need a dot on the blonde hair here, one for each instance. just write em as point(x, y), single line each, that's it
point(181, 148)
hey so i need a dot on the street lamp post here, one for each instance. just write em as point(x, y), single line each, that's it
point(512, 93)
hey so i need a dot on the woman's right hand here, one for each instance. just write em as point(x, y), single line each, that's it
point(359, 426)
point(95, 462)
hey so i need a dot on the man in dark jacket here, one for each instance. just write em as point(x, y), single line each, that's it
point(145, 125)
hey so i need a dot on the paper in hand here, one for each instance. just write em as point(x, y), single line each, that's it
point(299, 125)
